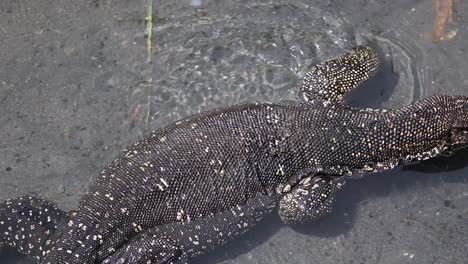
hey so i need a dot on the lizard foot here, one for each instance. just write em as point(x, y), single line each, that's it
point(309, 200)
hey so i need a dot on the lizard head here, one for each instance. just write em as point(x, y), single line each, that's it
point(459, 131)
point(433, 125)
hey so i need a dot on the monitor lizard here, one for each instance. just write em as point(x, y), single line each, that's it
point(204, 180)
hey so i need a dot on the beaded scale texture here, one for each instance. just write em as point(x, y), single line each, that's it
point(202, 181)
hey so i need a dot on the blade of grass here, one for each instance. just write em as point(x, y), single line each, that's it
point(149, 28)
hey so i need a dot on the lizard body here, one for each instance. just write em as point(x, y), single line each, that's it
point(204, 180)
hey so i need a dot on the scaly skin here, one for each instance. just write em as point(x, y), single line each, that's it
point(202, 181)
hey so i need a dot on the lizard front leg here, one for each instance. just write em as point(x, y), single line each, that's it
point(330, 80)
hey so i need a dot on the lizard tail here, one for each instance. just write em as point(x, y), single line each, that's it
point(27, 222)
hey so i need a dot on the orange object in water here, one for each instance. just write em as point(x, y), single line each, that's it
point(443, 15)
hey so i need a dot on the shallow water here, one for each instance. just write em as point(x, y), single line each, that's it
point(75, 87)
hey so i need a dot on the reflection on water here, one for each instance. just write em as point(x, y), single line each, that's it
point(195, 2)
point(211, 53)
